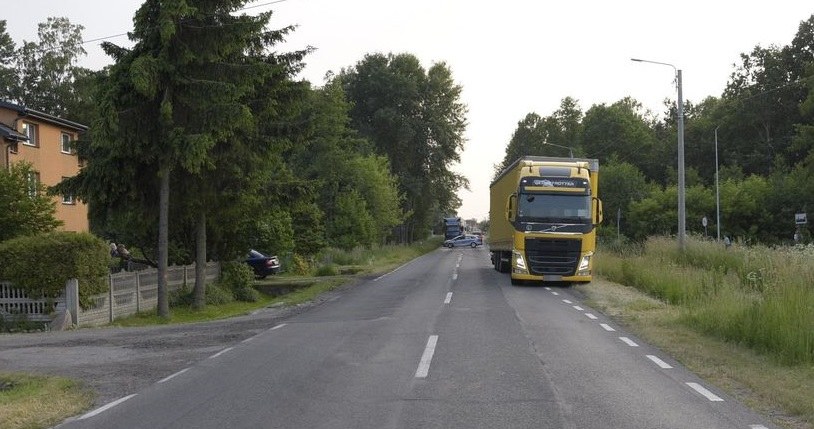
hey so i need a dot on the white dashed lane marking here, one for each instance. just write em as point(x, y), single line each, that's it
point(173, 376)
point(448, 298)
point(590, 316)
point(706, 393)
point(628, 341)
point(606, 327)
point(567, 301)
point(578, 308)
point(662, 364)
point(426, 358)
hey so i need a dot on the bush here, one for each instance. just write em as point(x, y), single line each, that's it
point(217, 295)
point(327, 270)
point(300, 265)
point(238, 278)
point(41, 264)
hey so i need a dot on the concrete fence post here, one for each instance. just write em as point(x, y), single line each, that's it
point(138, 293)
point(110, 297)
point(72, 299)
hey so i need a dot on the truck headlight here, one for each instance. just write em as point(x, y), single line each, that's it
point(584, 267)
point(519, 263)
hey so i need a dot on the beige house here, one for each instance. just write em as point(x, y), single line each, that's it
point(44, 141)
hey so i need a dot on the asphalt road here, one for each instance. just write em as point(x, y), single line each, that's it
point(444, 341)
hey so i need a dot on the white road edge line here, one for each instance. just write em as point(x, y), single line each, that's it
point(448, 298)
point(426, 358)
point(391, 272)
point(662, 364)
point(578, 308)
point(590, 316)
point(567, 301)
point(757, 427)
point(220, 352)
point(173, 376)
point(278, 327)
point(105, 407)
point(628, 341)
point(606, 327)
point(706, 393)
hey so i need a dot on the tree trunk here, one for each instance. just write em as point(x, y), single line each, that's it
point(199, 291)
point(163, 241)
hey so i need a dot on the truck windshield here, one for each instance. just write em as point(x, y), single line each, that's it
point(554, 208)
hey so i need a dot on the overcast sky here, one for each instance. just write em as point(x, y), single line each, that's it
point(511, 57)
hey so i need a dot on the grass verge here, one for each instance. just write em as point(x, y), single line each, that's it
point(784, 393)
point(34, 401)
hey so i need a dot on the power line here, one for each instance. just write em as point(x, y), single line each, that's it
point(84, 42)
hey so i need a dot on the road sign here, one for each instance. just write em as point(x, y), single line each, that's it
point(704, 221)
point(800, 219)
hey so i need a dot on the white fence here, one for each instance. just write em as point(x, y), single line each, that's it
point(14, 302)
point(128, 293)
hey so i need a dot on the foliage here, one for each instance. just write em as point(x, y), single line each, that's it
point(300, 265)
point(238, 278)
point(415, 118)
point(755, 296)
point(25, 207)
point(8, 75)
point(41, 264)
point(327, 270)
point(46, 70)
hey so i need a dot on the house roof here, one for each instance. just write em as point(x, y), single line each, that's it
point(24, 111)
point(9, 134)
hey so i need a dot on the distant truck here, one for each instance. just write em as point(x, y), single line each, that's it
point(452, 227)
point(543, 215)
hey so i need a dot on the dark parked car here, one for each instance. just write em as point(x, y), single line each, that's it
point(464, 240)
point(262, 265)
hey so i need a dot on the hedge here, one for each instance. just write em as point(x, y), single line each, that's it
point(41, 264)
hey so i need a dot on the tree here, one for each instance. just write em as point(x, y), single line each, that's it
point(8, 76)
point(527, 139)
point(172, 106)
point(416, 119)
point(25, 207)
point(331, 156)
point(47, 69)
point(621, 184)
point(623, 132)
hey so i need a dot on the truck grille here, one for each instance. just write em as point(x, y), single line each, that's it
point(552, 257)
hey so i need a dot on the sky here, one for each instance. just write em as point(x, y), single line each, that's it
point(510, 57)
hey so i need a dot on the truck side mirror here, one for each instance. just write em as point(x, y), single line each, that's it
point(511, 203)
point(597, 210)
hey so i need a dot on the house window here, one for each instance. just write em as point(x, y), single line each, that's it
point(33, 184)
point(68, 198)
point(65, 143)
point(31, 131)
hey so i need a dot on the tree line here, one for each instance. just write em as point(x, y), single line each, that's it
point(764, 121)
point(203, 143)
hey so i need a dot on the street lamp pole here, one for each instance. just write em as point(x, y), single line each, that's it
point(717, 190)
point(682, 218)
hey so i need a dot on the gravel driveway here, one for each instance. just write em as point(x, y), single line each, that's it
point(116, 362)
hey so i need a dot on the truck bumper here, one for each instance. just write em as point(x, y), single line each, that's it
point(531, 277)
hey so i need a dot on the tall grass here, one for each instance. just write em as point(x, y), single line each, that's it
point(756, 296)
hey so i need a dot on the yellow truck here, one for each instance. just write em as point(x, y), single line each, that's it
point(543, 215)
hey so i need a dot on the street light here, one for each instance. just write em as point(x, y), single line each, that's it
point(681, 211)
point(570, 152)
point(717, 192)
